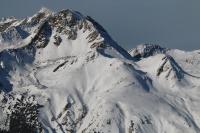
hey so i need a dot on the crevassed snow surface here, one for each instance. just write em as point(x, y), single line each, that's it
point(68, 75)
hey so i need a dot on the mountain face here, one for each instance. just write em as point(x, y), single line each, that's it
point(62, 73)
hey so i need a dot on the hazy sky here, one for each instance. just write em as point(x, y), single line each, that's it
point(170, 23)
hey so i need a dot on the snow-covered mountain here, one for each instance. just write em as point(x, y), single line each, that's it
point(62, 73)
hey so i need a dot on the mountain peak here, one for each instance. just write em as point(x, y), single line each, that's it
point(68, 30)
point(146, 50)
point(45, 10)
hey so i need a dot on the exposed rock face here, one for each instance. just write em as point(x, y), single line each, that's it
point(41, 40)
point(171, 68)
point(4, 26)
point(58, 40)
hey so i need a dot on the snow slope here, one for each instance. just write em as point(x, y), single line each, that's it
point(62, 72)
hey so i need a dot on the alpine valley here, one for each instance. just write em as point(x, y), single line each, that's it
point(61, 72)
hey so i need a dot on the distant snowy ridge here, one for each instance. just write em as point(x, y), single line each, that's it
point(146, 50)
point(63, 73)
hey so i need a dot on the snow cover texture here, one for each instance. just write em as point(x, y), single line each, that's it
point(62, 73)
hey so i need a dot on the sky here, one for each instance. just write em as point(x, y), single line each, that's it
point(169, 23)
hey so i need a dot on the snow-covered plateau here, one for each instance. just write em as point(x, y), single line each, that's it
point(62, 73)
